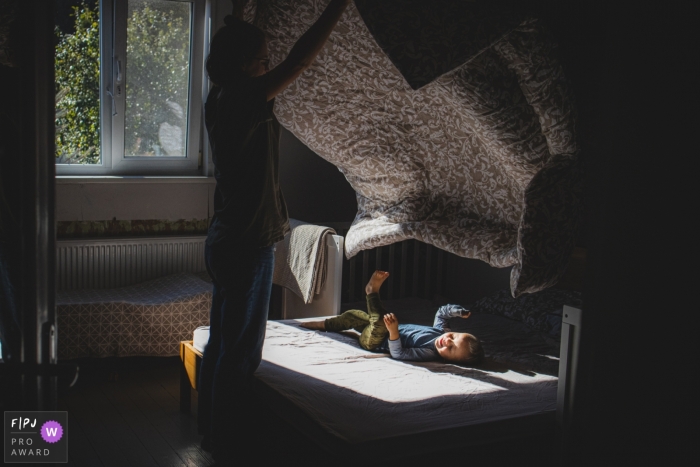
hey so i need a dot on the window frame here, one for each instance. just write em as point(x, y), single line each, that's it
point(113, 22)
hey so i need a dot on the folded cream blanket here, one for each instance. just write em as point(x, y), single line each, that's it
point(300, 259)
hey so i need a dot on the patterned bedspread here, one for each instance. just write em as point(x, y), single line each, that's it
point(471, 147)
point(147, 319)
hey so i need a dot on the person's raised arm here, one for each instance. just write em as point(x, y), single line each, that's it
point(305, 50)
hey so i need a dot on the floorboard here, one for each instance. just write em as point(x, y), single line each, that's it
point(176, 428)
point(137, 421)
point(82, 451)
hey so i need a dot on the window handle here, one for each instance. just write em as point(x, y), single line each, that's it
point(119, 71)
point(117, 85)
point(114, 104)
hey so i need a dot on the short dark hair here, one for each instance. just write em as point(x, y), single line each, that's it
point(476, 351)
point(232, 45)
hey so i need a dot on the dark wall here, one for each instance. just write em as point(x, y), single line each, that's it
point(470, 279)
point(637, 349)
point(314, 189)
point(630, 68)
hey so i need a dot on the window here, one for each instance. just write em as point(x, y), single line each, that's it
point(129, 77)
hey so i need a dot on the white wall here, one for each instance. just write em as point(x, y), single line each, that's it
point(132, 198)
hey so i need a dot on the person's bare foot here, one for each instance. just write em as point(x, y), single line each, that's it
point(314, 325)
point(376, 281)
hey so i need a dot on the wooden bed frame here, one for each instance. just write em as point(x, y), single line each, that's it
point(189, 373)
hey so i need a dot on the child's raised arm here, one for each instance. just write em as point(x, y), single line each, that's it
point(446, 312)
point(392, 325)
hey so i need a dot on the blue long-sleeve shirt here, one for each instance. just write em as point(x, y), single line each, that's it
point(416, 342)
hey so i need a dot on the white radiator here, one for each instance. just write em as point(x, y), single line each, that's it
point(117, 262)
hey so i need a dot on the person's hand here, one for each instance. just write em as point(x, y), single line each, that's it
point(392, 324)
point(465, 315)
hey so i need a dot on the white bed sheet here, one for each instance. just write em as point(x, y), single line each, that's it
point(200, 338)
point(361, 396)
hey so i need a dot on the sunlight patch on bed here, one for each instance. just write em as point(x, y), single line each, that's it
point(359, 396)
point(318, 355)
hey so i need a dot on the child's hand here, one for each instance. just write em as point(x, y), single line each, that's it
point(465, 315)
point(392, 324)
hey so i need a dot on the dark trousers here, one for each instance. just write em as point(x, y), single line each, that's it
point(242, 279)
point(369, 324)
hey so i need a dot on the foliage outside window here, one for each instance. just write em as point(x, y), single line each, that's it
point(158, 52)
point(78, 89)
point(156, 83)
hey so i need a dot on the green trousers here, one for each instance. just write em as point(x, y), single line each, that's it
point(370, 325)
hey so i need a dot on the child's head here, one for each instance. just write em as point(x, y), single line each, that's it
point(460, 347)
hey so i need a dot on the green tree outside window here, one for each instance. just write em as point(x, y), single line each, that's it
point(78, 89)
point(157, 82)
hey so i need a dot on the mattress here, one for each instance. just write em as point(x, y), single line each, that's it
point(200, 338)
point(363, 397)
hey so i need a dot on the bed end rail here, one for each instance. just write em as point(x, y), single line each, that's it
point(568, 371)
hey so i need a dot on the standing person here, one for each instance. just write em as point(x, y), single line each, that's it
point(250, 214)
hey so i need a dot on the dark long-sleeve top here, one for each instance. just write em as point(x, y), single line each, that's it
point(244, 137)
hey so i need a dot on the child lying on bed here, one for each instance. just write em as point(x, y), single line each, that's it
point(405, 341)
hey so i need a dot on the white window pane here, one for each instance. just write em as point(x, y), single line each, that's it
point(77, 67)
point(157, 78)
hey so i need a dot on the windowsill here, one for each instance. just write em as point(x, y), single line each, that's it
point(81, 179)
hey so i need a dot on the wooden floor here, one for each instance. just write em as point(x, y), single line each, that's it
point(125, 412)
